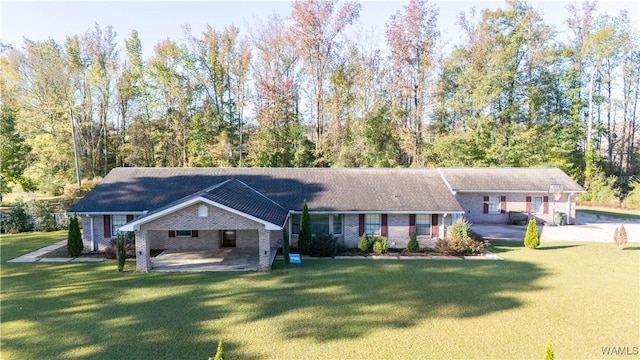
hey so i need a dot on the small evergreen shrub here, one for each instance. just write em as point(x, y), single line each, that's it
point(74, 238)
point(531, 239)
point(620, 237)
point(323, 245)
point(285, 246)
point(413, 245)
point(548, 353)
point(121, 254)
point(363, 244)
point(304, 238)
point(380, 245)
point(219, 352)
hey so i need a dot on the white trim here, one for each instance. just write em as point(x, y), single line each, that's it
point(446, 182)
point(112, 213)
point(356, 212)
point(93, 240)
point(516, 191)
point(135, 225)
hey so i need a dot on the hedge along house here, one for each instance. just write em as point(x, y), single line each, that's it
point(211, 208)
point(492, 195)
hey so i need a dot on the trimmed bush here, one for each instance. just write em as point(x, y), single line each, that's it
point(380, 245)
point(449, 247)
point(363, 244)
point(323, 245)
point(219, 352)
point(413, 245)
point(285, 246)
point(121, 254)
point(304, 238)
point(548, 353)
point(74, 239)
point(531, 239)
point(620, 237)
point(461, 240)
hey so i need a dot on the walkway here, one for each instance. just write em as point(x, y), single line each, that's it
point(36, 255)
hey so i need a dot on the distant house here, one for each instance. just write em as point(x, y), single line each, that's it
point(211, 208)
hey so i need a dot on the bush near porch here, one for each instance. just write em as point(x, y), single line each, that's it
point(326, 308)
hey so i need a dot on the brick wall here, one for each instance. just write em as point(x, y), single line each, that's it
point(473, 204)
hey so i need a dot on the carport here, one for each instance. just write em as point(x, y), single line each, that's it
point(193, 231)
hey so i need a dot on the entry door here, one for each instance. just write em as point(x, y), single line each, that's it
point(228, 238)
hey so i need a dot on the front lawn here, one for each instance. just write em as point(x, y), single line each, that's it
point(582, 296)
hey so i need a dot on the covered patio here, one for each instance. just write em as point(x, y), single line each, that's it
point(228, 227)
point(225, 259)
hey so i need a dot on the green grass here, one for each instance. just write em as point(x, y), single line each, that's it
point(582, 296)
point(610, 212)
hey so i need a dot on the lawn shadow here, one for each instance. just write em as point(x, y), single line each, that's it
point(632, 248)
point(343, 299)
point(556, 247)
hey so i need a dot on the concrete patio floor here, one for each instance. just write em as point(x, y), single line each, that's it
point(225, 259)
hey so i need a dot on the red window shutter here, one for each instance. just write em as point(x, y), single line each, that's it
point(129, 218)
point(383, 225)
point(107, 226)
point(194, 233)
point(545, 204)
point(528, 204)
point(360, 224)
point(172, 233)
point(434, 225)
point(412, 223)
point(485, 205)
point(503, 204)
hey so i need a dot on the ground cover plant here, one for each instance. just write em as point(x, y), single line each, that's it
point(584, 296)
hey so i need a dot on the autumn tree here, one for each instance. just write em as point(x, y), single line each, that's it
point(317, 26)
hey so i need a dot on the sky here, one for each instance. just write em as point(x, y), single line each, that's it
point(157, 20)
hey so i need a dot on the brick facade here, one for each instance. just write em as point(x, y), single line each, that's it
point(473, 203)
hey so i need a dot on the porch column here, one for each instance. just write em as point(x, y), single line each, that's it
point(264, 248)
point(143, 257)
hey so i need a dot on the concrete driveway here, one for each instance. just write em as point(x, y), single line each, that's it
point(588, 228)
point(226, 259)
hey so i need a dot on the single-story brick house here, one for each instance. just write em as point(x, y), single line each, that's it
point(211, 208)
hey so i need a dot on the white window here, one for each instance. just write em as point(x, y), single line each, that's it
point(203, 211)
point(494, 204)
point(116, 222)
point(320, 224)
point(184, 233)
point(337, 224)
point(423, 224)
point(372, 224)
point(537, 205)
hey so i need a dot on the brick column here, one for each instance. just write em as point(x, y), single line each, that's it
point(264, 248)
point(143, 262)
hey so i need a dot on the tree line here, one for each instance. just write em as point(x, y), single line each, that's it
point(310, 90)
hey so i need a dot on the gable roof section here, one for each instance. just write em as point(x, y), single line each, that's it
point(135, 190)
point(231, 195)
point(507, 180)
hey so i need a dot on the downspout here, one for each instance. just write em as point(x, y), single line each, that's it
point(93, 241)
point(569, 208)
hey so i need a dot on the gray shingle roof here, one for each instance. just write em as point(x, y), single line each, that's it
point(134, 190)
point(508, 179)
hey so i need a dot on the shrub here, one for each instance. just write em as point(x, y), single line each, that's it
point(601, 190)
point(74, 239)
point(20, 221)
point(448, 247)
point(413, 245)
point(42, 215)
point(285, 246)
point(304, 238)
point(219, 352)
point(380, 245)
point(632, 200)
point(363, 244)
point(620, 237)
point(74, 191)
point(122, 252)
point(548, 353)
point(323, 245)
point(531, 239)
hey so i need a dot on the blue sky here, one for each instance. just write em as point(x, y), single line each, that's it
point(156, 20)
